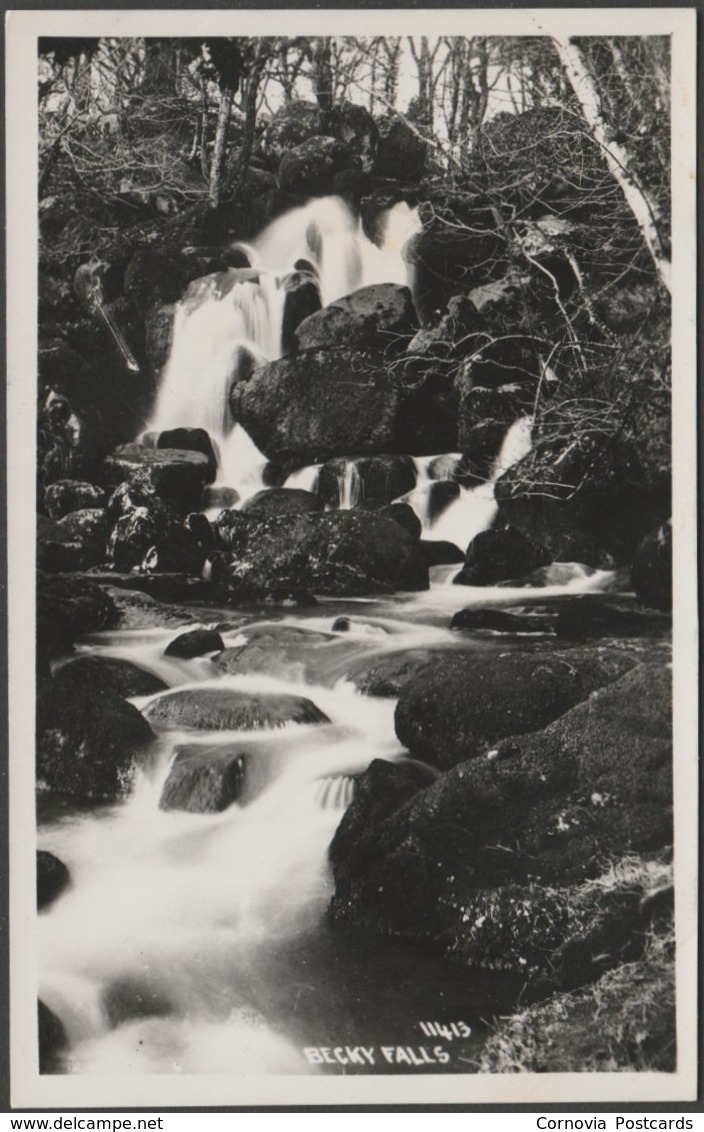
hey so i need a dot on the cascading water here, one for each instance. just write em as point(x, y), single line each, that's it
point(473, 509)
point(233, 320)
point(196, 942)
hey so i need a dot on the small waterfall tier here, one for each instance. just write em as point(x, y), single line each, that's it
point(232, 321)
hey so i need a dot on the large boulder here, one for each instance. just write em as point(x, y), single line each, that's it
point(387, 675)
point(216, 709)
point(458, 708)
point(311, 406)
point(177, 476)
point(282, 501)
point(447, 259)
point(497, 861)
point(496, 555)
point(291, 125)
point(651, 568)
point(311, 168)
point(69, 607)
point(194, 642)
point(587, 499)
point(597, 615)
point(401, 153)
point(155, 277)
point(381, 315)
point(64, 496)
point(89, 528)
point(203, 779)
point(277, 650)
point(110, 674)
point(191, 440)
point(374, 480)
point(150, 537)
point(89, 743)
point(340, 553)
point(147, 534)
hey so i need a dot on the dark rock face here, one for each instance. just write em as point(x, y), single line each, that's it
point(137, 610)
point(596, 617)
point(191, 440)
point(481, 444)
point(457, 708)
point(52, 878)
point(109, 674)
point(310, 169)
point(292, 125)
point(602, 499)
point(230, 528)
point(88, 742)
point(152, 277)
point(498, 621)
point(400, 154)
point(496, 555)
point(195, 642)
point(213, 709)
point(147, 534)
point(459, 324)
point(64, 496)
point(478, 858)
point(89, 528)
point(404, 515)
point(159, 334)
point(177, 476)
point(354, 125)
point(53, 1042)
point(340, 553)
point(651, 568)
point(378, 479)
point(67, 608)
point(302, 300)
point(282, 501)
point(309, 407)
point(479, 405)
point(388, 675)
point(61, 557)
point(446, 262)
point(203, 780)
point(381, 315)
point(278, 650)
point(440, 552)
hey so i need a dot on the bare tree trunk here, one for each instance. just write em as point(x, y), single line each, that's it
point(322, 73)
point(639, 199)
point(227, 93)
point(250, 122)
point(393, 53)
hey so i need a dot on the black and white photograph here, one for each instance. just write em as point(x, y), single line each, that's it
point(352, 384)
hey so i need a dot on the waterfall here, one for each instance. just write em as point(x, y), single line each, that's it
point(349, 487)
point(231, 321)
point(474, 508)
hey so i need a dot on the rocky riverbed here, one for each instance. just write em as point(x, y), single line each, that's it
point(353, 637)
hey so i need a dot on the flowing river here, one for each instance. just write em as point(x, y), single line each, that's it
point(198, 943)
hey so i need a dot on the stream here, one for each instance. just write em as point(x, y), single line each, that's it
point(198, 943)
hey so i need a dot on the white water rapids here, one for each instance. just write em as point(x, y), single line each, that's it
point(226, 322)
point(195, 943)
